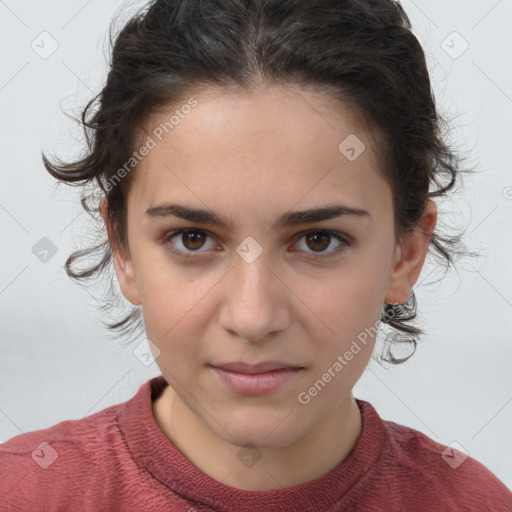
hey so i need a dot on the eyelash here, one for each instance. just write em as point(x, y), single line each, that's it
point(344, 239)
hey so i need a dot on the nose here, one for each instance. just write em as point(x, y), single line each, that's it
point(256, 301)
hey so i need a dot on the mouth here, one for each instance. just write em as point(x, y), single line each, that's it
point(255, 368)
point(256, 379)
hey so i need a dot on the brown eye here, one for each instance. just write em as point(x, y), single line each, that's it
point(186, 242)
point(318, 241)
point(193, 240)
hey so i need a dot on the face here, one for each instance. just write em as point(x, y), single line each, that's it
point(264, 283)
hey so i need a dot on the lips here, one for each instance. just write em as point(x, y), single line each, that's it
point(262, 367)
point(256, 379)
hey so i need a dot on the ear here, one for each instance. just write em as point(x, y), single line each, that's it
point(123, 264)
point(410, 256)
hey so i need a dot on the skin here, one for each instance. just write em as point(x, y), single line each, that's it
point(250, 158)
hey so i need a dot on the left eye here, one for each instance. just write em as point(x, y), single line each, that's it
point(191, 240)
point(321, 240)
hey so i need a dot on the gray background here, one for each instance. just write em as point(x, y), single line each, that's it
point(57, 361)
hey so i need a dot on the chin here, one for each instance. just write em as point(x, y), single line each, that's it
point(273, 431)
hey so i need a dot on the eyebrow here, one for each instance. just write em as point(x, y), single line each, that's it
point(288, 219)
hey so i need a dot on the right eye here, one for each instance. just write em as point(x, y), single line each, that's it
point(188, 242)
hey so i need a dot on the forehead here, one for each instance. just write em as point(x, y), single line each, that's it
point(276, 140)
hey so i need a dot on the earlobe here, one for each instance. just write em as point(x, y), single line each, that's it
point(122, 263)
point(410, 256)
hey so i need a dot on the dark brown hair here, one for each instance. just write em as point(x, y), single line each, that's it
point(362, 52)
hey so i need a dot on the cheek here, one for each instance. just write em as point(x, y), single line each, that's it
point(350, 300)
point(167, 292)
point(347, 305)
point(176, 312)
point(342, 353)
point(368, 279)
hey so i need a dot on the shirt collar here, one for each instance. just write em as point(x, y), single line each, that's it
point(154, 451)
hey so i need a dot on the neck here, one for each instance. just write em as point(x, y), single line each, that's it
point(310, 457)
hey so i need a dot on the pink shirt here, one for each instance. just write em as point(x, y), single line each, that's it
point(119, 459)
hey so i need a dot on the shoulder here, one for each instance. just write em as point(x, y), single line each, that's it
point(57, 465)
point(443, 474)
